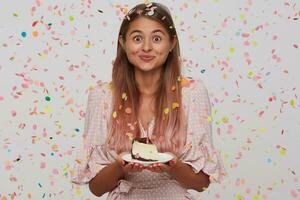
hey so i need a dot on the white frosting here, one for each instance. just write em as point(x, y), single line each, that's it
point(145, 151)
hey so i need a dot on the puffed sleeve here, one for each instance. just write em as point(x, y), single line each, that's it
point(200, 153)
point(92, 157)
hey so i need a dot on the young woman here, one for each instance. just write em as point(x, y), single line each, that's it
point(148, 95)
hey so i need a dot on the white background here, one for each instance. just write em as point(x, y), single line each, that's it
point(246, 52)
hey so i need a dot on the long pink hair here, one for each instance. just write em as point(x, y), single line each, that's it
point(169, 131)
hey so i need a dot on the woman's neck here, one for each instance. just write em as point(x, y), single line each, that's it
point(147, 82)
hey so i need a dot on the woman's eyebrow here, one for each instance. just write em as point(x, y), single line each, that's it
point(139, 31)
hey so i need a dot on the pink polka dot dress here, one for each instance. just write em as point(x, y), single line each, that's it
point(200, 154)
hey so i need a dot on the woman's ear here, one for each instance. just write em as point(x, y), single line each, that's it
point(121, 41)
point(174, 43)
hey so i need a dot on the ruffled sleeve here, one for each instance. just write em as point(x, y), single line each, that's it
point(200, 153)
point(92, 156)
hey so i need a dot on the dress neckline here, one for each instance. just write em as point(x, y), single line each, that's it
point(149, 130)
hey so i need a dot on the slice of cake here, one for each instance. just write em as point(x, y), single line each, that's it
point(143, 149)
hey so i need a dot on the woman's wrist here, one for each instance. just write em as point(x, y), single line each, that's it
point(119, 169)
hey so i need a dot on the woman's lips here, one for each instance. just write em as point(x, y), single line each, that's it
point(146, 58)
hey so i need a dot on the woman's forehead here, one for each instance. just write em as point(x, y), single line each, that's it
point(144, 25)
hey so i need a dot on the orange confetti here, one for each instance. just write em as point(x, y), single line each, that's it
point(128, 110)
point(173, 88)
point(35, 33)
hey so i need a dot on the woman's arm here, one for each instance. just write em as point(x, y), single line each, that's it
point(107, 179)
point(184, 174)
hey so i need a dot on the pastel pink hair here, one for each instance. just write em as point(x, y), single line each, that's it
point(169, 131)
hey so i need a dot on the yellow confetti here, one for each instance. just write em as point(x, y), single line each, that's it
point(130, 136)
point(58, 125)
point(231, 50)
point(218, 121)
point(175, 105)
point(256, 197)
point(225, 120)
point(254, 43)
point(179, 78)
point(47, 109)
point(71, 18)
point(114, 114)
point(282, 151)
point(209, 119)
point(88, 44)
point(77, 191)
point(250, 74)
point(120, 107)
point(15, 14)
point(124, 96)
point(166, 110)
point(262, 130)
point(292, 103)
point(242, 16)
point(239, 197)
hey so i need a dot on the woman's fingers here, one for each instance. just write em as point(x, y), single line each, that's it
point(134, 167)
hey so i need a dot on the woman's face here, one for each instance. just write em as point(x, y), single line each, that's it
point(147, 44)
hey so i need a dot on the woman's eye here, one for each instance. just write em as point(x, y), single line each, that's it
point(137, 38)
point(157, 38)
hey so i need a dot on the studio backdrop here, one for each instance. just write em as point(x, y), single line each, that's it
point(245, 51)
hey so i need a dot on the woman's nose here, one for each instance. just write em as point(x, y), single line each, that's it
point(147, 45)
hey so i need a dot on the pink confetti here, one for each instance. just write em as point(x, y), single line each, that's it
point(44, 133)
point(55, 171)
point(70, 101)
point(294, 194)
point(295, 46)
point(1, 98)
point(34, 127)
point(42, 165)
point(245, 35)
point(25, 85)
point(261, 113)
point(13, 113)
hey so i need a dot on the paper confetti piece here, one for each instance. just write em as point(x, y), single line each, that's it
point(34, 23)
point(71, 18)
point(124, 96)
point(114, 114)
point(42, 165)
point(292, 103)
point(166, 110)
point(175, 105)
point(47, 98)
point(128, 110)
point(47, 109)
point(35, 33)
point(130, 136)
point(282, 151)
point(24, 34)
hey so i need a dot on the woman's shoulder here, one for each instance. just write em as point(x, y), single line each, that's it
point(100, 90)
point(191, 84)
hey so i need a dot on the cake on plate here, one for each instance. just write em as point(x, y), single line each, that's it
point(144, 150)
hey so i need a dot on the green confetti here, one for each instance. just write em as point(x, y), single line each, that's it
point(47, 98)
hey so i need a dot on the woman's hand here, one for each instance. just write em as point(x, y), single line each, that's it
point(163, 167)
point(129, 167)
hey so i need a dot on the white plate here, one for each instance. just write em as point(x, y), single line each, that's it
point(163, 158)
